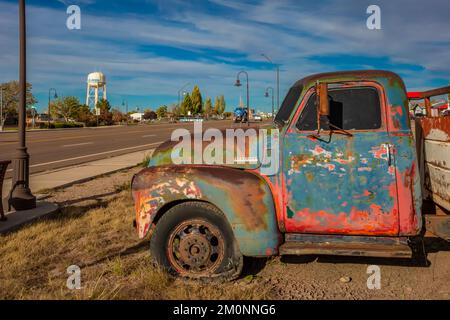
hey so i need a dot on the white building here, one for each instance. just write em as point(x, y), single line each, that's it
point(137, 116)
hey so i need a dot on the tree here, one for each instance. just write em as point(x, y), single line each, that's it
point(227, 114)
point(11, 97)
point(217, 106)
point(208, 107)
point(186, 106)
point(83, 114)
point(150, 115)
point(196, 100)
point(103, 105)
point(161, 111)
point(117, 116)
point(176, 110)
point(105, 114)
point(65, 107)
point(222, 104)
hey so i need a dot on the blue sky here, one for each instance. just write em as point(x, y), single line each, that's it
point(149, 49)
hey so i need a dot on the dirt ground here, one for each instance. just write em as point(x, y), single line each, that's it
point(94, 231)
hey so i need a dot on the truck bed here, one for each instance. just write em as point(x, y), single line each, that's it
point(433, 152)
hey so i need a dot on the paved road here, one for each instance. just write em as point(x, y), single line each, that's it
point(61, 148)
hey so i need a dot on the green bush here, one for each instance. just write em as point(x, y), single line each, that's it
point(60, 125)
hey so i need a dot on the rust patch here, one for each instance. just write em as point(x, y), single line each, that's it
point(241, 193)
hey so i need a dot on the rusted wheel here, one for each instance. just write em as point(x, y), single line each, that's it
point(194, 240)
point(195, 246)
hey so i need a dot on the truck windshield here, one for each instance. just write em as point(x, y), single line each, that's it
point(288, 105)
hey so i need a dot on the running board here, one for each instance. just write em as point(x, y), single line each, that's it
point(308, 244)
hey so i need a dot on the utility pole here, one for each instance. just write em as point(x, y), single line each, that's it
point(21, 196)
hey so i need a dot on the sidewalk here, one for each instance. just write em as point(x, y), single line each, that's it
point(66, 176)
point(42, 181)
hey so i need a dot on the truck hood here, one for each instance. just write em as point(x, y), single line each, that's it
point(245, 148)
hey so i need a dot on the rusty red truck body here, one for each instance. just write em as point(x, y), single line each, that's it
point(346, 181)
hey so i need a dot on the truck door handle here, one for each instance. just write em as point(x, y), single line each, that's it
point(388, 148)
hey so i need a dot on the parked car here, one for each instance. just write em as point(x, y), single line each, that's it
point(240, 115)
point(257, 117)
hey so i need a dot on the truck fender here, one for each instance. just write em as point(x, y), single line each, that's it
point(243, 197)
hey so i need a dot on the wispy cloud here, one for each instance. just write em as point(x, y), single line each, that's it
point(151, 48)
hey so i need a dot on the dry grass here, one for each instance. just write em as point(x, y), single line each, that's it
point(114, 264)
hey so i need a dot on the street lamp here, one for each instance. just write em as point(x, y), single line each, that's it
point(266, 94)
point(179, 93)
point(278, 78)
point(238, 84)
point(49, 100)
point(21, 197)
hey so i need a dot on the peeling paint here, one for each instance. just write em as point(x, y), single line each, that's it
point(242, 196)
point(366, 184)
point(433, 142)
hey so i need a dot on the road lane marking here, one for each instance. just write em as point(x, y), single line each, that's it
point(111, 133)
point(149, 135)
point(115, 133)
point(76, 144)
point(96, 154)
point(30, 140)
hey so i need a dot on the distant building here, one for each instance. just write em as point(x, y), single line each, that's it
point(137, 116)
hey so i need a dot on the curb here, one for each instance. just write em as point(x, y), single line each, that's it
point(68, 184)
point(42, 190)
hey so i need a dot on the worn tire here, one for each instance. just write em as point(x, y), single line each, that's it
point(162, 245)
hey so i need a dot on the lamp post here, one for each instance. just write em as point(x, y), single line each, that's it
point(1, 109)
point(266, 94)
point(179, 94)
point(49, 100)
point(238, 84)
point(21, 196)
point(278, 79)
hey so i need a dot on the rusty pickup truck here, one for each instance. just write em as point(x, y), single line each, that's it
point(344, 178)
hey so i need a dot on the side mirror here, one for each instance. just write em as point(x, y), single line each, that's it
point(322, 100)
point(322, 104)
point(323, 109)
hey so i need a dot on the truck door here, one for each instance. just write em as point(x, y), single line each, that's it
point(341, 182)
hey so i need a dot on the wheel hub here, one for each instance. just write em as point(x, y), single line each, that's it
point(195, 250)
point(195, 246)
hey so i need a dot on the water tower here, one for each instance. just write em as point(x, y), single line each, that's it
point(96, 83)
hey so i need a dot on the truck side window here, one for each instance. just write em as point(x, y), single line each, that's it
point(356, 108)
